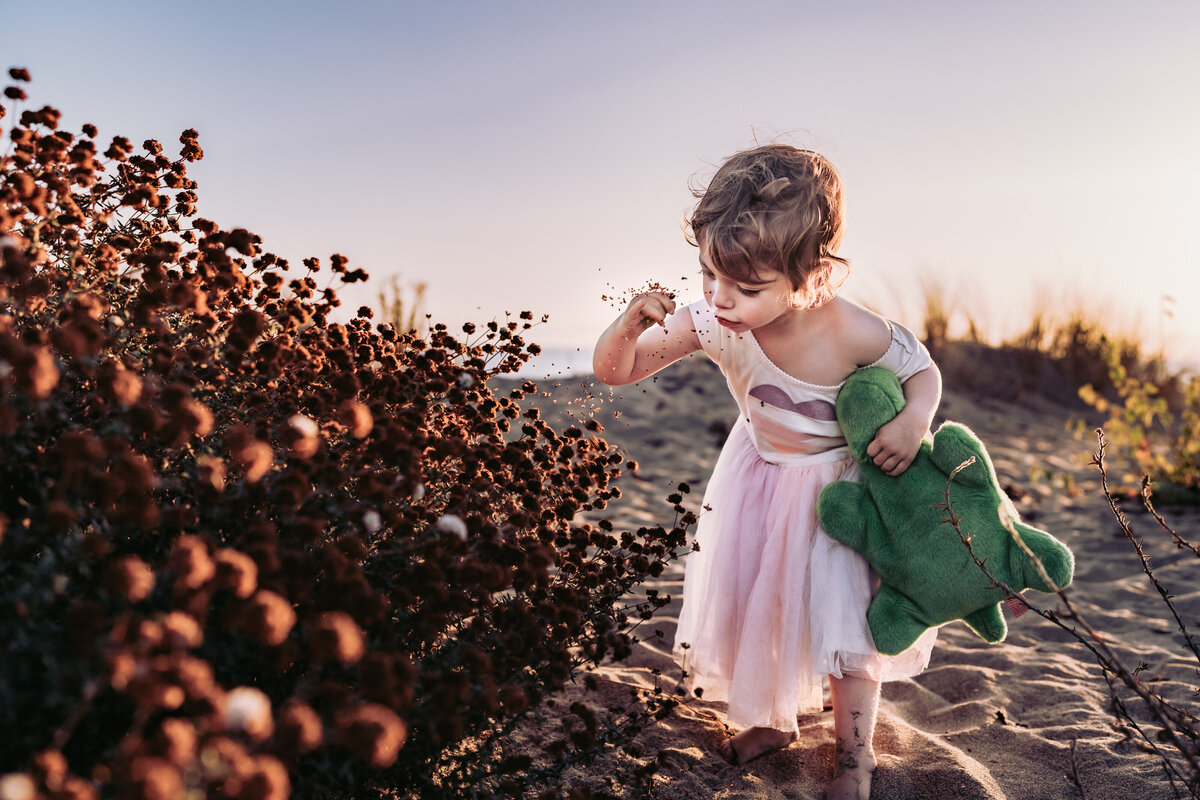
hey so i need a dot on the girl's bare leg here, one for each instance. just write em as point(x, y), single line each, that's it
point(855, 707)
point(754, 742)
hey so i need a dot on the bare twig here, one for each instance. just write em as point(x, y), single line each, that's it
point(1179, 541)
point(1074, 774)
point(1177, 726)
point(65, 731)
point(1123, 522)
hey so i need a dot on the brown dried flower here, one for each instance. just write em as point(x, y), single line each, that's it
point(256, 458)
point(299, 729)
point(52, 766)
point(155, 779)
point(236, 572)
point(191, 563)
point(270, 617)
point(302, 436)
point(211, 471)
point(129, 577)
point(374, 732)
point(75, 788)
point(224, 760)
point(178, 740)
point(357, 418)
point(37, 373)
point(336, 637)
point(267, 780)
point(182, 631)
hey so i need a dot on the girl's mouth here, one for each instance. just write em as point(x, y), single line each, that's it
point(729, 324)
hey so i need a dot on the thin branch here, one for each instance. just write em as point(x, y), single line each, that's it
point(1074, 774)
point(65, 731)
point(1123, 522)
point(1179, 541)
point(1179, 726)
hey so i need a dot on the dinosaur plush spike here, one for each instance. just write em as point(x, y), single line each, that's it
point(927, 575)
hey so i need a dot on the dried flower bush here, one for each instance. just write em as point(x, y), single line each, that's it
point(249, 551)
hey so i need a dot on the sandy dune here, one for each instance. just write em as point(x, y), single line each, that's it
point(984, 721)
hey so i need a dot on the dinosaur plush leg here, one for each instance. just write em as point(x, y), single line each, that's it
point(842, 508)
point(855, 707)
point(988, 623)
point(894, 621)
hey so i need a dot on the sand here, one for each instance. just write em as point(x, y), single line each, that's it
point(1024, 720)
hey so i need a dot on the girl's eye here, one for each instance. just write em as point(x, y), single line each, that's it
point(705, 273)
point(749, 292)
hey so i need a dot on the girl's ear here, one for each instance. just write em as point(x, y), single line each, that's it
point(802, 298)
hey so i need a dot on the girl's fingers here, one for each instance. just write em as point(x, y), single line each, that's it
point(660, 302)
point(651, 309)
point(888, 462)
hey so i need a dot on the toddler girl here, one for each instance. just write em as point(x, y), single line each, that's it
point(772, 604)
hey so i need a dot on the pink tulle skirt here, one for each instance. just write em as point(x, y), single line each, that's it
point(772, 604)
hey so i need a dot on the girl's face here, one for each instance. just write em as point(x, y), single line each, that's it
point(748, 305)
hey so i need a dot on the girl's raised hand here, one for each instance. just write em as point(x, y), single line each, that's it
point(628, 351)
point(645, 310)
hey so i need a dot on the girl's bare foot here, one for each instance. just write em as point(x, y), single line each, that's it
point(754, 742)
point(853, 779)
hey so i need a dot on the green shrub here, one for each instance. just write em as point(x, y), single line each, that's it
point(1155, 426)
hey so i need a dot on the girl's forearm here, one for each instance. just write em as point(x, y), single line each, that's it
point(922, 393)
point(615, 359)
point(614, 356)
point(643, 340)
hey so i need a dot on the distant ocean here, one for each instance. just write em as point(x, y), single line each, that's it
point(558, 362)
point(564, 362)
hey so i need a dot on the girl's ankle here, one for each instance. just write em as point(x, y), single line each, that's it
point(861, 762)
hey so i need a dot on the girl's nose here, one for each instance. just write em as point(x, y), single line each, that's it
point(722, 294)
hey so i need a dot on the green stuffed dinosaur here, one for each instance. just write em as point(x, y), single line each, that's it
point(927, 575)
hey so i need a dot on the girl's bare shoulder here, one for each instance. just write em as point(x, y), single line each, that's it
point(863, 335)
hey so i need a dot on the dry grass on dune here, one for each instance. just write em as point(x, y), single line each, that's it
point(1052, 356)
point(1104, 374)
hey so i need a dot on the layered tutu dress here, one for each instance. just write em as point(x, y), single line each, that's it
point(772, 604)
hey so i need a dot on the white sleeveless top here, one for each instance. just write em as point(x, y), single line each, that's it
point(791, 422)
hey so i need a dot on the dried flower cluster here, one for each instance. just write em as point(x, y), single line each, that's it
point(247, 551)
point(620, 298)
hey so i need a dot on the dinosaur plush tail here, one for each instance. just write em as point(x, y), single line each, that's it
point(1056, 561)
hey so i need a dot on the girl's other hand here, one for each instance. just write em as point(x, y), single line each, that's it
point(896, 445)
point(645, 310)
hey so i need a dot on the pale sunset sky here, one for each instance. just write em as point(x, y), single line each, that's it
point(535, 155)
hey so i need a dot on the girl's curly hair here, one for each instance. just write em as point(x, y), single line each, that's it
point(775, 208)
